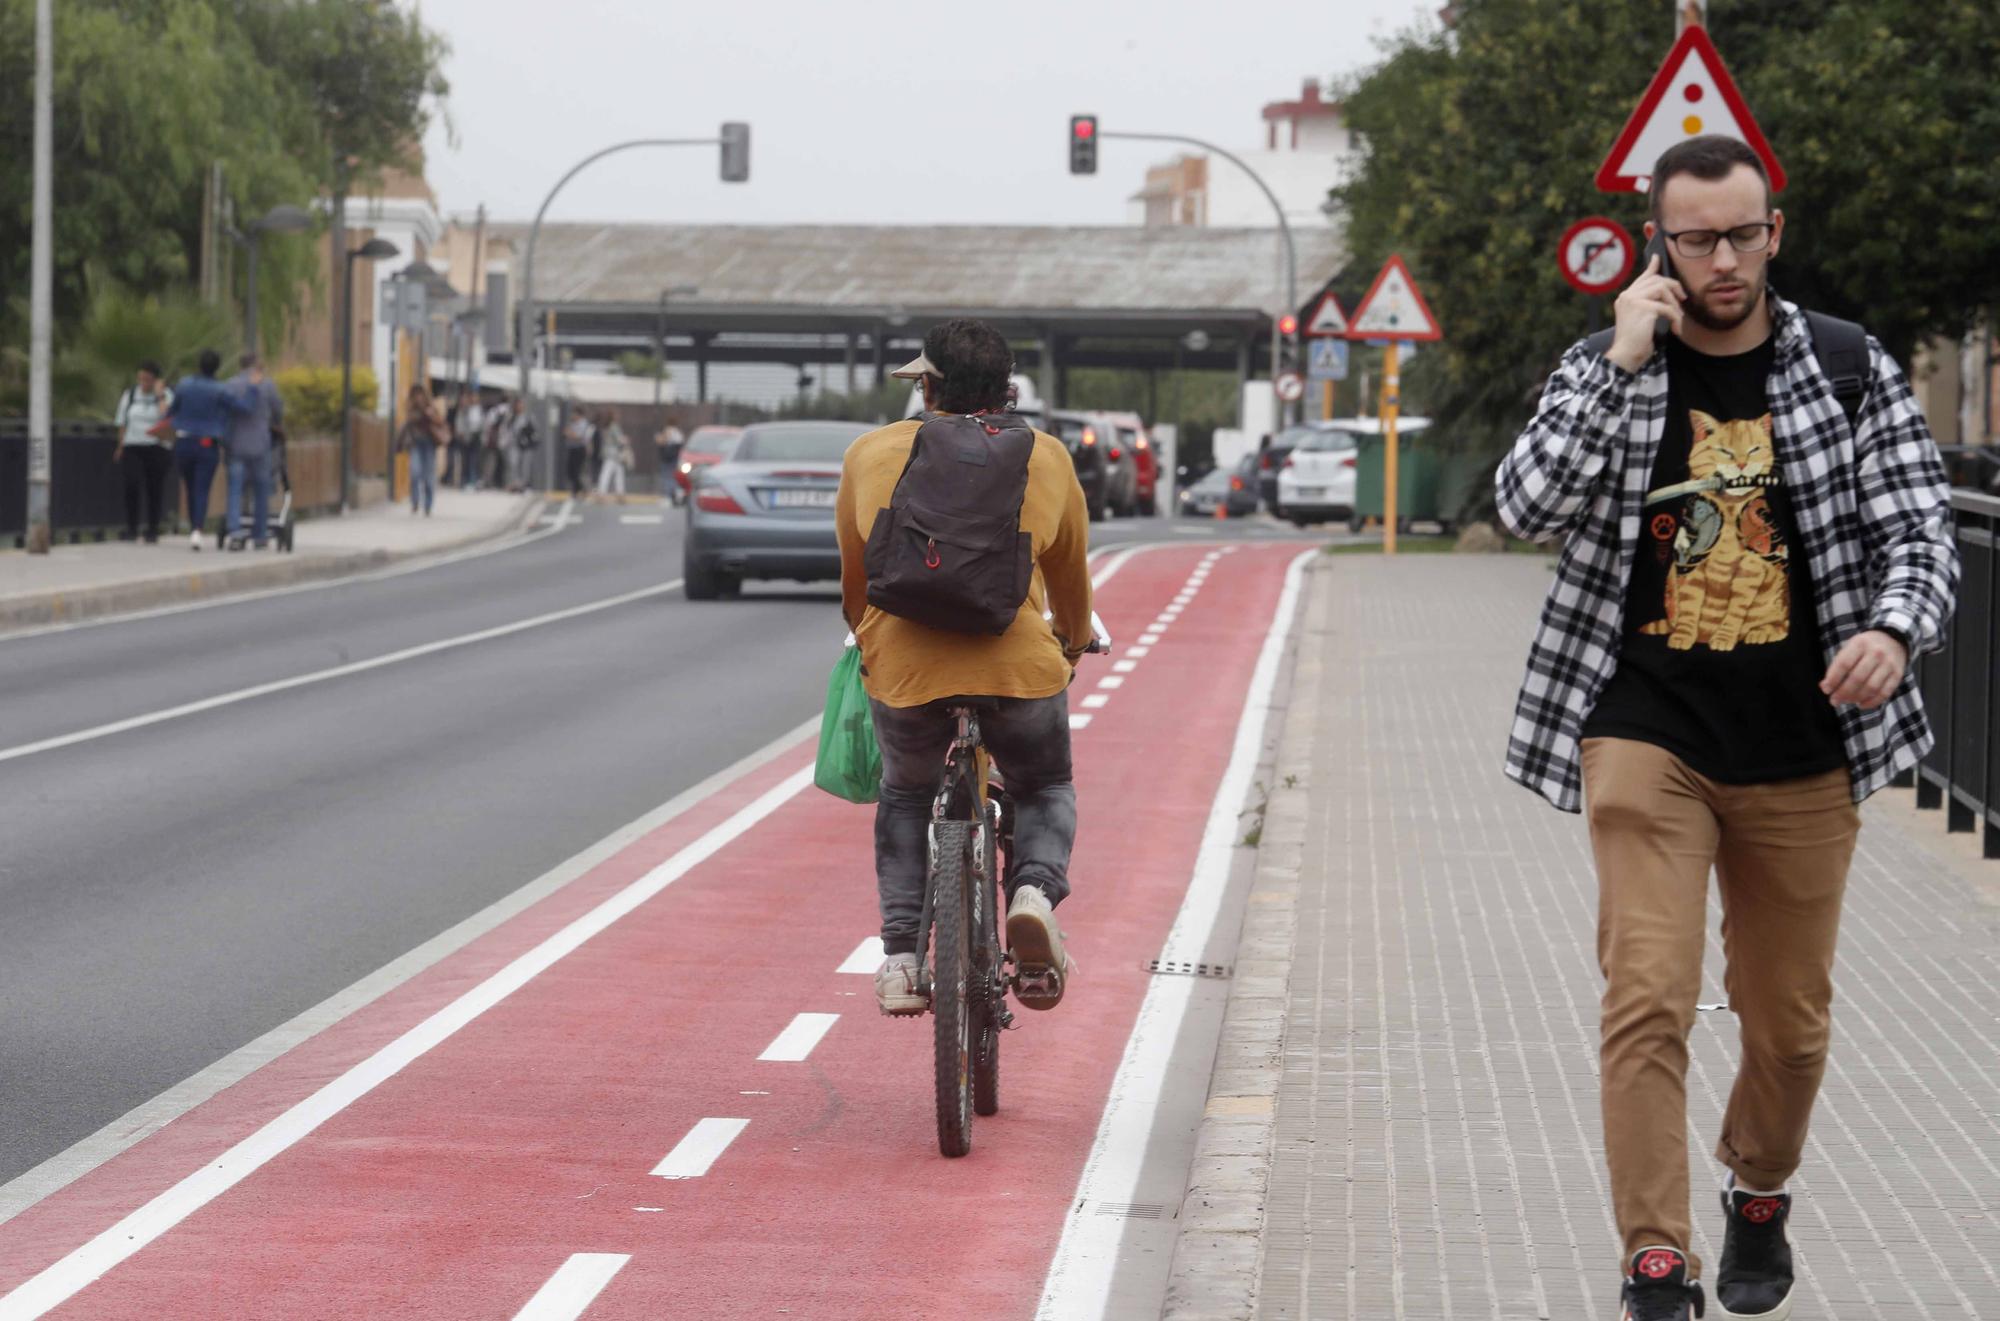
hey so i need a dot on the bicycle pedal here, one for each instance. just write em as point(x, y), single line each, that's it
point(1037, 982)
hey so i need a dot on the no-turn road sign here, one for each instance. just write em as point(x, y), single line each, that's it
point(1291, 387)
point(1595, 255)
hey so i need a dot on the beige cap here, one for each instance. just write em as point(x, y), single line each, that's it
point(915, 368)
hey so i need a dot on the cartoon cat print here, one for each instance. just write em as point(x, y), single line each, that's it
point(1728, 583)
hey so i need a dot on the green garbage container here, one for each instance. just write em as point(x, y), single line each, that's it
point(1418, 470)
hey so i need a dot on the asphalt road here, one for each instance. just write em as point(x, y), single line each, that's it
point(175, 889)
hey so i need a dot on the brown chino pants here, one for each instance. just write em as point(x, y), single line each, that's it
point(1780, 853)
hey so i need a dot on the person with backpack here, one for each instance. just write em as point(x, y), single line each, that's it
point(1758, 539)
point(140, 452)
point(944, 618)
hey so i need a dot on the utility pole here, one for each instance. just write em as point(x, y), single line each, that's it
point(41, 283)
point(472, 334)
point(1689, 13)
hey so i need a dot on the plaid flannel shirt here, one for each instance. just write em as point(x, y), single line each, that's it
point(1873, 512)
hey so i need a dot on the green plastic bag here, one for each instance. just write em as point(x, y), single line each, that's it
point(850, 763)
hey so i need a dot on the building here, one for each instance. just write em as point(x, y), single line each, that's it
point(1304, 151)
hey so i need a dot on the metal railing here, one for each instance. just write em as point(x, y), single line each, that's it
point(1961, 690)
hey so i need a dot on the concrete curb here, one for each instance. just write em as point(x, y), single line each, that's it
point(31, 610)
point(1218, 1255)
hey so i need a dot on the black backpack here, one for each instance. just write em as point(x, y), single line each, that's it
point(949, 552)
point(1842, 350)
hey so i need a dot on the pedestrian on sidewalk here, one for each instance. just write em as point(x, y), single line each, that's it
point(617, 456)
point(493, 444)
point(576, 451)
point(422, 435)
point(670, 440)
point(141, 453)
point(468, 439)
point(201, 410)
point(1758, 538)
point(521, 444)
point(250, 450)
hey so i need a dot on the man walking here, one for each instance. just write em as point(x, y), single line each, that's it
point(1758, 539)
point(142, 453)
point(249, 448)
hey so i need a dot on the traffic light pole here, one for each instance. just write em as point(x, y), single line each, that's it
point(525, 309)
point(1291, 250)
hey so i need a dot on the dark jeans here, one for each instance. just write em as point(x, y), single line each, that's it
point(1029, 740)
point(575, 457)
point(146, 468)
point(255, 470)
point(195, 458)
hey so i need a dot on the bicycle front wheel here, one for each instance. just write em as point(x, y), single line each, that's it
point(952, 1005)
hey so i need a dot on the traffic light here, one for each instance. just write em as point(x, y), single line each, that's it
point(1288, 325)
point(735, 152)
point(1083, 144)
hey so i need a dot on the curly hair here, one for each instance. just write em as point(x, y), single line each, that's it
point(973, 363)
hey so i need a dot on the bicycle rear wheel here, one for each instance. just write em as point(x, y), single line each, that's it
point(953, 1003)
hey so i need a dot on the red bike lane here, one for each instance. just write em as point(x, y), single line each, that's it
point(460, 1181)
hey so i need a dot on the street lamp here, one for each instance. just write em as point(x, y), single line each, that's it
point(374, 250)
point(283, 218)
point(660, 340)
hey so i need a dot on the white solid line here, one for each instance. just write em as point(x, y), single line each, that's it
point(1078, 721)
point(867, 957)
point(798, 1039)
point(1112, 681)
point(1095, 701)
point(693, 1154)
point(61, 1281)
point(1136, 652)
point(1087, 1257)
point(147, 1118)
point(1124, 666)
point(642, 520)
point(322, 676)
point(573, 1288)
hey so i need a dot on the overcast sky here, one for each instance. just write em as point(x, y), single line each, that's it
point(879, 113)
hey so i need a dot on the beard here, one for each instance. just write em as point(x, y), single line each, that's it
point(1699, 310)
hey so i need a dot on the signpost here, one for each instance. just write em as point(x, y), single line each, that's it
point(1692, 94)
point(1395, 311)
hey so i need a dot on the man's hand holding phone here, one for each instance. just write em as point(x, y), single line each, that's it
point(1648, 299)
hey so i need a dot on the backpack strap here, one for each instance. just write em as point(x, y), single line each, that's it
point(1601, 341)
point(1842, 350)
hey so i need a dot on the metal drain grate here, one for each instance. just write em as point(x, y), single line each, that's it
point(1132, 1210)
point(1176, 968)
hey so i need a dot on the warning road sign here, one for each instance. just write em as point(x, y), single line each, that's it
point(1327, 318)
point(1393, 309)
point(1326, 360)
point(1595, 254)
point(1692, 94)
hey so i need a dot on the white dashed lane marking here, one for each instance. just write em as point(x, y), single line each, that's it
point(798, 1039)
point(573, 1288)
point(694, 1154)
point(867, 957)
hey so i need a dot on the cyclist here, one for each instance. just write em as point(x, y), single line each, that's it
point(914, 672)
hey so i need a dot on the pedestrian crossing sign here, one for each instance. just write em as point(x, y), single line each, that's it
point(1326, 360)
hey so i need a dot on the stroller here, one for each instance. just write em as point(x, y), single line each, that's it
point(280, 523)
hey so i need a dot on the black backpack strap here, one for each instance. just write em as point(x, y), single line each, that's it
point(1598, 343)
point(1842, 350)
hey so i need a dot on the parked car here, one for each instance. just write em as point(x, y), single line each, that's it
point(767, 510)
point(1108, 471)
point(1316, 481)
point(1132, 437)
point(1232, 489)
point(705, 446)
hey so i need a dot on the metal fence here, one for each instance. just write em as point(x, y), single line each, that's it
point(1962, 772)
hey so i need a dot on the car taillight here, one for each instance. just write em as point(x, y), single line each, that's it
point(716, 501)
point(1290, 462)
point(1347, 462)
point(1235, 483)
point(1116, 454)
point(1140, 444)
point(1264, 461)
point(1090, 435)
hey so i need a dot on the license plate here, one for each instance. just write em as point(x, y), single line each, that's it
point(1311, 492)
point(796, 499)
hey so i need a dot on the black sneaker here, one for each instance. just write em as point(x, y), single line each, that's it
point(1657, 1287)
point(1755, 1279)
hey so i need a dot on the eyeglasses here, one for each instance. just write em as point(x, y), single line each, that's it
point(1701, 242)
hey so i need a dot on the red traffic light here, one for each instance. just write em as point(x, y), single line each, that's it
point(1084, 128)
point(1288, 325)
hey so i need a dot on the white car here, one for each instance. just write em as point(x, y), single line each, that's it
point(1316, 483)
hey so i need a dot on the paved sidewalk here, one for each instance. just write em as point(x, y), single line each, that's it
point(84, 581)
point(1404, 1118)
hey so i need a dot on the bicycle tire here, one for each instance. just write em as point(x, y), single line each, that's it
point(986, 964)
point(953, 999)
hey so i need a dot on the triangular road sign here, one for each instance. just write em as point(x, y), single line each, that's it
point(1327, 318)
point(1691, 94)
point(1393, 309)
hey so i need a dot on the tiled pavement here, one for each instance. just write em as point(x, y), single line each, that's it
point(1434, 1143)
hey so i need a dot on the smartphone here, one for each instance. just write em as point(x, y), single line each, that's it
point(1656, 246)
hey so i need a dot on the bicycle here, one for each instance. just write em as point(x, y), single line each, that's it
point(969, 974)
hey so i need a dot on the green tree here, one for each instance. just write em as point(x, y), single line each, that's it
point(638, 362)
point(1482, 143)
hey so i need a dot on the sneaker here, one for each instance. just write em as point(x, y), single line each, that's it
point(1657, 1287)
point(1755, 1278)
point(1042, 968)
point(194, 539)
point(896, 989)
point(237, 543)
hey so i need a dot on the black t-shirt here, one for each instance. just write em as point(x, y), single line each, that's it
point(1721, 658)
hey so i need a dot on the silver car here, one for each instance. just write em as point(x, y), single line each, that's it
point(767, 510)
